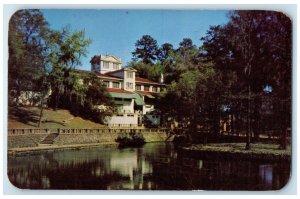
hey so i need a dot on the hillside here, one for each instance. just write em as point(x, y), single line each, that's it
point(27, 117)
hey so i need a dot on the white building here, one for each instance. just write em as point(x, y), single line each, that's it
point(133, 96)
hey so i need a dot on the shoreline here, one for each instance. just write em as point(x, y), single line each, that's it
point(260, 152)
point(225, 151)
point(41, 148)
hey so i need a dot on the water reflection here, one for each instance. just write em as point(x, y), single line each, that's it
point(156, 166)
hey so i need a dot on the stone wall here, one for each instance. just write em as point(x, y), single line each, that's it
point(87, 138)
point(69, 137)
point(155, 137)
point(65, 139)
point(24, 140)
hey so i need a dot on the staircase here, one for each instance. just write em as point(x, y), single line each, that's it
point(49, 139)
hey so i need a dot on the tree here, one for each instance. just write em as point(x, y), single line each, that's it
point(187, 51)
point(188, 78)
point(92, 95)
point(149, 71)
point(146, 50)
point(66, 49)
point(185, 58)
point(164, 52)
point(28, 31)
point(186, 44)
point(246, 53)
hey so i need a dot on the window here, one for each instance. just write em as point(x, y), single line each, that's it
point(146, 88)
point(116, 85)
point(115, 66)
point(154, 89)
point(138, 87)
point(129, 85)
point(106, 84)
point(105, 64)
point(129, 74)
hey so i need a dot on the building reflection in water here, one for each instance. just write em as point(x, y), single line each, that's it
point(155, 166)
point(130, 163)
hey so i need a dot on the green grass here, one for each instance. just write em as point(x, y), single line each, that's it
point(256, 148)
point(27, 117)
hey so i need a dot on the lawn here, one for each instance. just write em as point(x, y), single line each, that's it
point(27, 117)
point(256, 148)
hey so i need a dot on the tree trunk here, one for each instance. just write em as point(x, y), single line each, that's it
point(283, 139)
point(232, 124)
point(257, 118)
point(248, 120)
point(284, 125)
point(41, 114)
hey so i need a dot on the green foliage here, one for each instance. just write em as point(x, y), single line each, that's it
point(191, 81)
point(251, 52)
point(149, 71)
point(67, 47)
point(131, 139)
point(27, 36)
point(164, 52)
point(40, 58)
point(252, 49)
point(82, 93)
point(146, 50)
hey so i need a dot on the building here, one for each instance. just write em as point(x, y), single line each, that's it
point(134, 96)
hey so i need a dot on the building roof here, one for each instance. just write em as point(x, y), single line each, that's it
point(82, 71)
point(110, 77)
point(120, 93)
point(122, 69)
point(146, 81)
point(104, 76)
point(139, 99)
point(118, 90)
point(110, 58)
point(147, 94)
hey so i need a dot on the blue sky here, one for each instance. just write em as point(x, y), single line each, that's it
point(116, 31)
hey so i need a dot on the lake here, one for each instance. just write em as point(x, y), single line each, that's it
point(155, 166)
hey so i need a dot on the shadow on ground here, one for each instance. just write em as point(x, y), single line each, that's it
point(25, 116)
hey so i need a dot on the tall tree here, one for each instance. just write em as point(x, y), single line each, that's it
point(146, 50)
point(66, 49)
point(164, 52)
point(246, 52)
point(186, 44)
point(28, 31)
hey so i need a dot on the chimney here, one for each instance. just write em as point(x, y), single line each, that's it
point(161, 79)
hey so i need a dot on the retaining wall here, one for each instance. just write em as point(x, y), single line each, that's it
point(24, 140)
point(30, 138)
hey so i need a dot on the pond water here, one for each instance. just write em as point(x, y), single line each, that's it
point(155, 166)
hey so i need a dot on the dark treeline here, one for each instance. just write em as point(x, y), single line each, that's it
point(241, 73)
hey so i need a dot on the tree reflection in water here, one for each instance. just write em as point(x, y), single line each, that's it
point(155, 166)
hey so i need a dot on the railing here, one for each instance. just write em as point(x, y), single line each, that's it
point(117, 126)
point(12, 132)
point(28, 131)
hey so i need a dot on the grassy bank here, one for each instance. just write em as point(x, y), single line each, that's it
point(258, 151)
point(28, 117)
